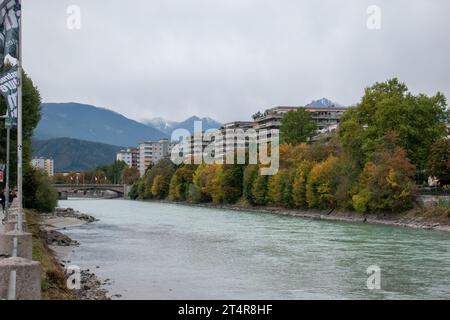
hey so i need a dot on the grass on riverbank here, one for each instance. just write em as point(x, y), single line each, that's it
point(53, 276)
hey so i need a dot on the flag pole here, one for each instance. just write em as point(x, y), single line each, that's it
point(19, 130)
point(8, 146)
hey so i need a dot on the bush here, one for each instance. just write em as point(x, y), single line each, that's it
point(38, 190)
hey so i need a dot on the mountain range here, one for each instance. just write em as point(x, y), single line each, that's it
point(169, 126)
point(90, 123)
point(74, 155)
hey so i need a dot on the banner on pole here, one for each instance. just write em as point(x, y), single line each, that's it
point(10, 11)
point(8, 89)
point(2, 172)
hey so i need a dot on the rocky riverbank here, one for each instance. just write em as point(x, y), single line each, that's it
point(426, 219)
point(62, 245)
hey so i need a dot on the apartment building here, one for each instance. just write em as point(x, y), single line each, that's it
point(323, 117)
point(326, 117)
point(43, 164)
point(130, 156)
point(151, 152)
point(224, 142)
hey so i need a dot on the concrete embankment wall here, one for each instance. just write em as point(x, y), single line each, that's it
point(20, 277)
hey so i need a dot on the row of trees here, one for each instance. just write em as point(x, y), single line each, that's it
point(116, 173)
point(385, 143)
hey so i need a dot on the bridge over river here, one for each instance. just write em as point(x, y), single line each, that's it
point(90, 190)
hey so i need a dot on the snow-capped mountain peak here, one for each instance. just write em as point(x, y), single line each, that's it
point(323, 103)
point(169, 126)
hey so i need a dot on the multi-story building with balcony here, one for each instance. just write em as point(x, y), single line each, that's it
point(151, 152)
point(323, 117)
point(231, 143)
point(130, 156)
point(43, 164)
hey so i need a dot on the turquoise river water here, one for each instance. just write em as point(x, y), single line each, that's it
point(165, 251)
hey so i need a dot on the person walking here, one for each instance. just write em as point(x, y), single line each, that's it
point(3, 199)
point(11, 196)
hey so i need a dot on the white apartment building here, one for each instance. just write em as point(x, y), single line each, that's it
point(151, 152)
point(130, 156)
point(43, 164)
point(323, 117)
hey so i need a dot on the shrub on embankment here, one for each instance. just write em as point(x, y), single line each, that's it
point(53, 283)
point(39, 194)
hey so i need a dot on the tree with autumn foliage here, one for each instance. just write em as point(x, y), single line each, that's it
point(130, 176)
point(386, 184)
point(180, 182)
point(321, 187)
point(299, 184)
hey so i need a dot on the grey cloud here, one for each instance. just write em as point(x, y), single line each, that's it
point(228, 59)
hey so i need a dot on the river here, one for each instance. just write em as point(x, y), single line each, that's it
point(165, 251)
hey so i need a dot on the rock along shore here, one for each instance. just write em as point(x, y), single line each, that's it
point(62, 246)
point(410, 219)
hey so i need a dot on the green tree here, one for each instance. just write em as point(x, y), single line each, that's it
point(251, 172)
point(280, 189)
point(142, 189)
point(346, 176)
point(174, 187)
point(231, 183)
point(259, 190)
point(439, 161)
point(40, 197)
point(297, 126)
point(194, 194)
point(417, 120)
point(386, 184)
point(299, 184)
point(134, 192)
point(159, 187)
point(39, 193)
point(180, 182)
point(214, 185)
point(165, 169)
point(203, 180)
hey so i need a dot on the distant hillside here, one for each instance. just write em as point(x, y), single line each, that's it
point(85, 122)
point(169, 126)
point(75, 155)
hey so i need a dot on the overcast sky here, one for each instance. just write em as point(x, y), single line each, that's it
point(227, 59)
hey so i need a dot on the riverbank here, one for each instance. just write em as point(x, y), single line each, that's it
point(54, 249)
point(437, 219)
